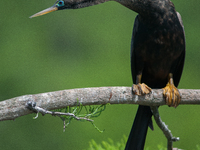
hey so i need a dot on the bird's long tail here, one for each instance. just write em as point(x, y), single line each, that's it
point(138, 133)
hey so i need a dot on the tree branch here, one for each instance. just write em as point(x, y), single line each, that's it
point(19, 106)
point(15, 107)
point(164, 128)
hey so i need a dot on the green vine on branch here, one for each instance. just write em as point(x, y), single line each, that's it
point(81, 111)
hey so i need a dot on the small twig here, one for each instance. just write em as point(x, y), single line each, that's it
point(32, 106)
point(164, 128)
point(64, 126)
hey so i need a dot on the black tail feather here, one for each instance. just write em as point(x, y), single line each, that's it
point(138, 133)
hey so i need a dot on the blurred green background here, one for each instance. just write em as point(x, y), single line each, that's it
point(88, 47)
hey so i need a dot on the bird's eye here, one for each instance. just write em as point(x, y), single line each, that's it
point(60, 3)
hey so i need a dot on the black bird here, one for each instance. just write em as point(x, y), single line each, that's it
point(157, 54)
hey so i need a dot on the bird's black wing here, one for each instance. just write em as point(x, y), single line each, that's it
point(179, 68)
point(133, 60)
point(138, 132)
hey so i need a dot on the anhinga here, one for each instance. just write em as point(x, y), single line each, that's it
point(157, 54)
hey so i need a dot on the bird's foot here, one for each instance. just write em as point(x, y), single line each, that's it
point(171, 95)
point(140, 89)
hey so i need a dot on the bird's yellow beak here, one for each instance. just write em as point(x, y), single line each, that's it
point(46, 11)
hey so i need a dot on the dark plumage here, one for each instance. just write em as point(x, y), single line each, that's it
point(157, 54)
point(158, 49)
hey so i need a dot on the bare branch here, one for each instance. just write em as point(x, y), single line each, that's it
point(164, 128)
point(15, 107)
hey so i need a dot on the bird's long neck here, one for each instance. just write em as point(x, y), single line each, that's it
point(146, 8)
point(76, 4)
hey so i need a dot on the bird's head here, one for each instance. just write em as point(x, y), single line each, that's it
point(68, 4)
point(59, 5)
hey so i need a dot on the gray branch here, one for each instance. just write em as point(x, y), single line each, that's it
point(15, 107)
point(164, 128)
point(19, 106)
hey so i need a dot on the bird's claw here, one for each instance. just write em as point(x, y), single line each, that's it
point(171, 95)
point(140, 89)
